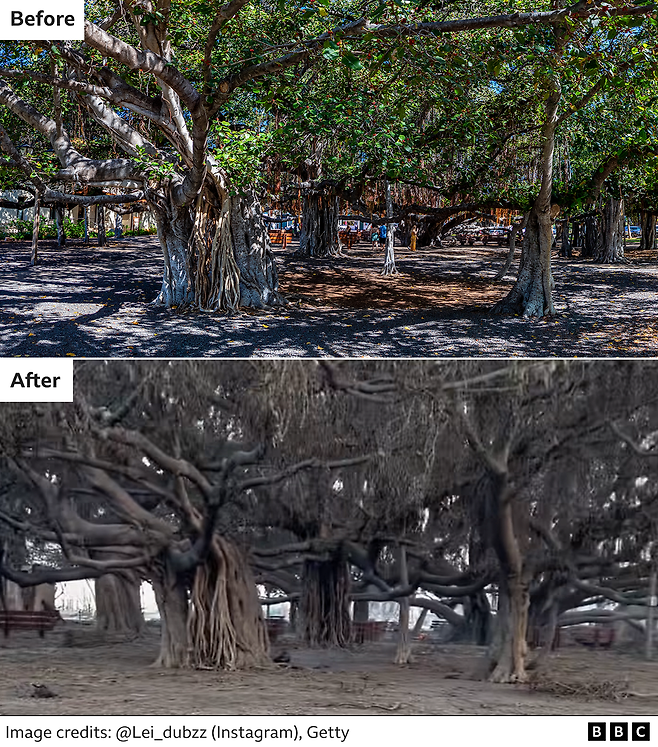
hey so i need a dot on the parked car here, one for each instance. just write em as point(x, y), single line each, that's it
point(635, 230)
point(500, 236)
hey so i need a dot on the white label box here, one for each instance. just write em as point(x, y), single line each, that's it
point(22, 20)
point(36, 380)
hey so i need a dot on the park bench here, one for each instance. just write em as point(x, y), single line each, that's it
point(28, 620)
point(276, 626)
point(366, 632)
point(279, 237)
point(595, 636)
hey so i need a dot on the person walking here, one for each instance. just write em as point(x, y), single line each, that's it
point(382, 235)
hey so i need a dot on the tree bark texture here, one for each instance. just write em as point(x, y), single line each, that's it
point(118, 604)
point(319, 234)
point(216, 258)
point(324, 607)
point(531, 295)
point(610, 246)
point(226, 628)
point(59, 221)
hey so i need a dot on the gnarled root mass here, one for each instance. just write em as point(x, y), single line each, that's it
point(325, 603)
point(225, 625)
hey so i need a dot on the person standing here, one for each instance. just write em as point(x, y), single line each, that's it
point(413, 239)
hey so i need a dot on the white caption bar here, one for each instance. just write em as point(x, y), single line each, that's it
point(36, 380)
point(42, 19)
point(355, 731)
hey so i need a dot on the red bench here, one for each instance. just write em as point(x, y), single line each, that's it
point(366, 632)
point(26, 620)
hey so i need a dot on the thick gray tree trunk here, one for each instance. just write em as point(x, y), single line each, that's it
point(324, 606)
point(219, 261)
point(319, 234)
point(648, 228)
point(610, 248)
point(531, 295)
point(118, 605)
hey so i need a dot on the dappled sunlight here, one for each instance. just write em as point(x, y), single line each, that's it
point(87, 301)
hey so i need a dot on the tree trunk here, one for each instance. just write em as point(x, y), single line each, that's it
point(507, 655)
point(59, 222)
point(35, 231)
point(226, 627)
point(319, 235)
point(648, 228)
point(532, 292)
point(389, 262)
point(86, 219)
point(512, 247)
point(566, 250)
point(175, 232)
point(403, 652)
point(171, 597)
point(324, 604)
point(220, 261)
point(100, 225)
point(477, 619)
point(259, 280)
point(590, 238)
point(610, 247)
point(118, 605)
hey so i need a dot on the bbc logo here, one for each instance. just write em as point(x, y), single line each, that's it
point(619, 731)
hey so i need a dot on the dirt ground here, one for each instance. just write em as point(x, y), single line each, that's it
point(86, 301)
point(90, 678)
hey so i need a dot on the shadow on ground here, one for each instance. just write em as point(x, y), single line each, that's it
point(87, 301)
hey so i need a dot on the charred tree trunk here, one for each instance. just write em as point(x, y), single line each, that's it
point(477, 619)
point(171, 597)
point(118, 605)
point(216, 623)
point(507, 661)
point(319, 235)
point(531, 295)
point(508, 652)
point(648, 228)
point(610, 247)
point(324, 604)
point(226, 629)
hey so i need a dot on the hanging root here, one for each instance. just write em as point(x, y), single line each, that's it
point(225, 625)
point(325, 603)
point(217, 277)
